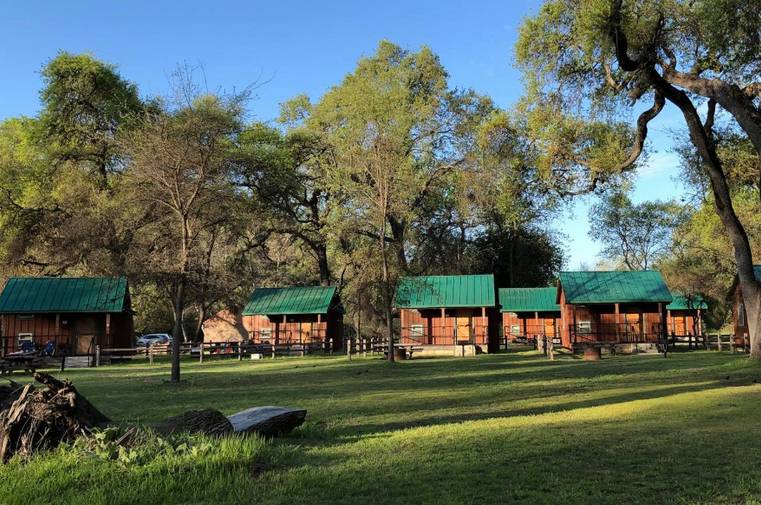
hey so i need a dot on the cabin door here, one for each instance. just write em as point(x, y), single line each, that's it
point(463, 329)
point(549, 327)
point(305, 329)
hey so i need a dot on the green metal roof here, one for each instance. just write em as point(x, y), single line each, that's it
point(682, 302)
point(292, 300)
point(442, 291)
point(25, 295)
point(528, 300)
point(614, 287)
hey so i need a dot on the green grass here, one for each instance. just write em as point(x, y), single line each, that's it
point(508, 428)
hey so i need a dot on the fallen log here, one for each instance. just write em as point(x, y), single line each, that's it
point(42, 418)
point(267, 421)
point(208, 421)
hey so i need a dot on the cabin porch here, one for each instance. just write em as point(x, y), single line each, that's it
point(615, 324)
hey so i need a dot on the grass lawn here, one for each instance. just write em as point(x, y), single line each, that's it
point(507, 428)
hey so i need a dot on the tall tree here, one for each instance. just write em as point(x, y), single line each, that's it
point(285, 175)
point(392, 133)
point(637, 235)
point(590, 59)
point(179, 167)
point(85, 104)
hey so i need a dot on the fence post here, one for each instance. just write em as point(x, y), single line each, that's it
point(200, 353)
point(732, 343)
point(150, 355)
point(97, 356)
point(348, 347)
point(240, 351)
point(330, 346)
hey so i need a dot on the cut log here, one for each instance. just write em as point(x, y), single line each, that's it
point(208, 421)
point(42, 418)
point(267, 421)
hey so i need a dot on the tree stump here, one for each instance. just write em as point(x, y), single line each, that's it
point(592, 353)
point(41, 418)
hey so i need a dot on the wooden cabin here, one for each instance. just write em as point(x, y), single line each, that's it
point(75, 313)
point(529, 313)
point(449, 311)
point(305, 316)
point(685, 315)
point(621, 308)
point(739, 316)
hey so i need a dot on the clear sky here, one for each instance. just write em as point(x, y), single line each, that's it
point(290, 47)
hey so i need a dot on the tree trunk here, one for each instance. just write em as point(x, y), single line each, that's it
point(701, 138)
point(321, 251)
point(179, 307)
point(387, 298)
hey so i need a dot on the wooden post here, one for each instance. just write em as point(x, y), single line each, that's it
point(617, 319)
point(240, 350)
point(330, 347)
point(731, 343)
point(150, 355)
point(108, 329)
point(444, 326)
point(200, 353)
point(97, 355)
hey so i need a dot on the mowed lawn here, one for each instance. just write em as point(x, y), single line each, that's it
point(506, 428)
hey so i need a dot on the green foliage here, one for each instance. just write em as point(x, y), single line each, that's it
point(636, 235)
point(85, 102)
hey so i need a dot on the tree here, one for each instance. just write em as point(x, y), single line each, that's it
point(179, 167)
point(285, 176)
point(636, 234)
point(85, 104)
point(391, 135)
point(587, 60)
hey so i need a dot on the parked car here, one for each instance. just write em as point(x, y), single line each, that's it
point(150, 339)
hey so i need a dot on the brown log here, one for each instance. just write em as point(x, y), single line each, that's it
point(208, 421)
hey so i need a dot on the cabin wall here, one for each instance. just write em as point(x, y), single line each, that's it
point(479, 326)
point(77, 333)
point(600, 323)
point(530, 324)
point(683, 322)
point(295, 329)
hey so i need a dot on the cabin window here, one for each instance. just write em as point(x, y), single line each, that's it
point(584, 327)
point(265, 333)
point(25, 337)
point(416, 330)
point(515, 329)
point(25, 317)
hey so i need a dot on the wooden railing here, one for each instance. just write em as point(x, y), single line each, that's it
point(615, 333)
point(445, 335)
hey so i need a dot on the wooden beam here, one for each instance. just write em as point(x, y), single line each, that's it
point(444, 324)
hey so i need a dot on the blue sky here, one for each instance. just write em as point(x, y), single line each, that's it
point(291, 47)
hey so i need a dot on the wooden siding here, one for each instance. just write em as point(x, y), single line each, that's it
point(479, 326)
point(530, 324)
point(78, 333)
point(606, 325)
point(295, 329)
point(684, 322)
